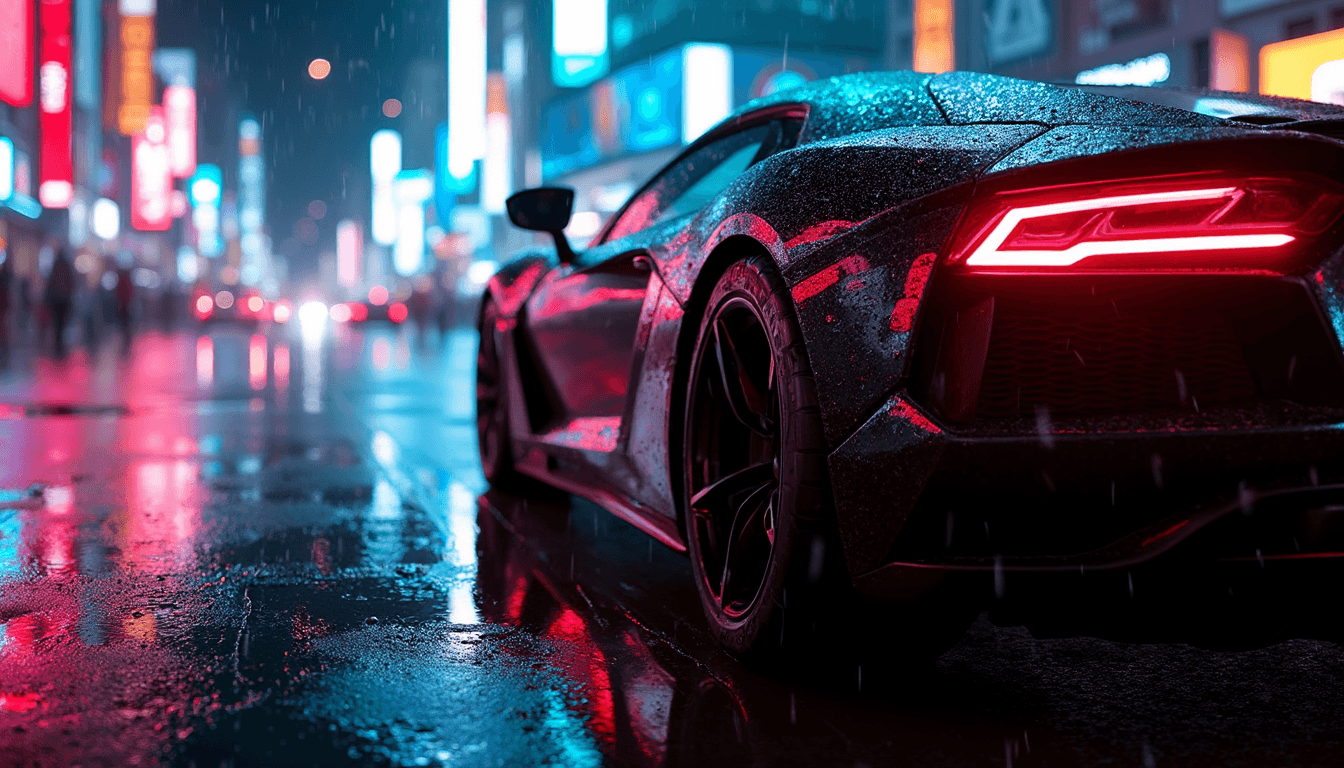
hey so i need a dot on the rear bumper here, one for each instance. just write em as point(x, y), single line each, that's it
point(1222, 563)
point(912, 497)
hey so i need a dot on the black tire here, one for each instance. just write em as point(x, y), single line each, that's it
point(757, 498)
point(798, 601)
point(492, 411)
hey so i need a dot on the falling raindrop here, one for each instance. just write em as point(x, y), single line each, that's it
point(817, 561)
point(1043, 427)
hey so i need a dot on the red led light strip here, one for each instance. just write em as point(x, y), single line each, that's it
point(989, 253)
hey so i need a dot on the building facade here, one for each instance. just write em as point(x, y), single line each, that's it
point(599, 94)
point(1198, 43)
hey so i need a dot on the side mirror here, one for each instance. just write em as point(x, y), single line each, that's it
point(545, 209)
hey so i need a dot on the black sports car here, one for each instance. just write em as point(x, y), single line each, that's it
point(887, 350)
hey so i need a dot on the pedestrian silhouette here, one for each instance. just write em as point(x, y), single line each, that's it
point(59, 295)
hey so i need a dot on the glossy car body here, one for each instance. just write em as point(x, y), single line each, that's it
point(1107, 500)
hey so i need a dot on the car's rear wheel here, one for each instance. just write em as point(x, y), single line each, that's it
point(757, 509)
point(492, 413)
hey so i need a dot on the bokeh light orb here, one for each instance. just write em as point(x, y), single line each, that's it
point(317, 210)
point(318, 69)
point(391, 108)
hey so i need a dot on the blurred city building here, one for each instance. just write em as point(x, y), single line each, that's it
point(599, 94)
point(125, 138)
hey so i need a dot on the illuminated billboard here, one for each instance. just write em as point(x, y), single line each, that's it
point(349, 253)
point(934, 32)
point(466, 85)
point(56, 179)
point(497, 167)
point(151, 177)
point(637, 28)
point(1310, 67)
point(206, 191)
point(567, 136)
point(648, 102)
point(6, 169)
point(16, 52)
point(1229, 61)
point(137, 73)
point(410, 190)
point(579, 42)
point(384, 165)
point(179, 105)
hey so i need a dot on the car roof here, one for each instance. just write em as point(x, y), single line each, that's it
point(1242, 107)
point(848, 104)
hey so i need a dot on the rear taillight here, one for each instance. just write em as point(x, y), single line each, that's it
point(1175, 223)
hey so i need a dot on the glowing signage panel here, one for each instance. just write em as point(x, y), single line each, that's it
point(179, 105)
point(411, 190)
point(385, 164)
point(1229, 61)
point(137, 73)
point(16, 52)
point(933, 35)
point(1149, 70)
point(707, 87)
point(206, 190)
point(466, 85)
point(579, 49)
point(1310, 67)
point(6, 168)
point(56, 175)
point(151, 176)
point(497, 169)
point(349, 253)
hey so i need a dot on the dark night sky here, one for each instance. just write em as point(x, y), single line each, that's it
point(253, 56)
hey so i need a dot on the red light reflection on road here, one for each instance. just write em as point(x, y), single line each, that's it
point(281, 366)
point(382, 354)
point(256, 361)
point(205, 361)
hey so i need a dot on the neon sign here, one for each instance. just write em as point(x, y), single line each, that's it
point(56, 187)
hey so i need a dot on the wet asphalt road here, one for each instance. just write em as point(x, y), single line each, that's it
point(243, 550)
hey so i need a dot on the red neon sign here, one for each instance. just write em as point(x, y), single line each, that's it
point(151, 176)
point(16, 52)
point(179, 106)
point(56, 186)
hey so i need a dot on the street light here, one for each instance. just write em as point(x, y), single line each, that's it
point(318, 69)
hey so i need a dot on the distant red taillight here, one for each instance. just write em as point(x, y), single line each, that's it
point(1178, 223)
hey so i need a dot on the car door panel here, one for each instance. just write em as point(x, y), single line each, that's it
point(605, 330)
point(582, 323)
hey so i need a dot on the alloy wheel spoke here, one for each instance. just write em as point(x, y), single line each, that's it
point(748, 546)
point(749, 405)
point(718, 495)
